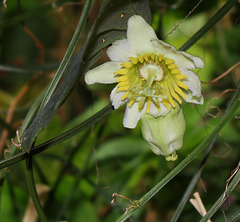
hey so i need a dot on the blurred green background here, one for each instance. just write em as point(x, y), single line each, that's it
point(81, 174)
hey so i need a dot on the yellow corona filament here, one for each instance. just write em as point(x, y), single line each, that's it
point(168, 94)
point(134, 60)
point(181, 84)
point(169, 61)
point(125, 96)
point(126, 65)
point(175, 71)
point(141, 59)
point(123, 78)
point(171, 66)
point(160, 58)
point(178, 90)
point(123, 88)
point(131, 102)
point(180, 76)
point(121, 72)
point(174, 94)
point(152, 56)
point(146, 57)
point(166, 103)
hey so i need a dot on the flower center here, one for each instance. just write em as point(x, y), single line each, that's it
point(151, 70)
point(151, 79)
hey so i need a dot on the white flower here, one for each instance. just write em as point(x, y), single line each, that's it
point(152, 75)
point(153, 78)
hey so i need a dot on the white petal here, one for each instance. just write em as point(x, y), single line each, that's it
point(162, 47)
point(120, 51)
point(115, 98)
point(154, 111)
point(140, 34)
point(194, 84)
point(193, 99)
point(199, 63)
point(102, 73)
point(181, 60)
point(132, 116)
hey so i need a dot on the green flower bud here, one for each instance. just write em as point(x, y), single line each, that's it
point(164, 134)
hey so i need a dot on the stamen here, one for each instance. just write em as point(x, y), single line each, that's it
point(148, 104)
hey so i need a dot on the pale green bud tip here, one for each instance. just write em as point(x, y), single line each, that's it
point(172, 157)
point(164, 134)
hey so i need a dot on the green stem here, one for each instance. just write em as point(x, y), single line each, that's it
point(61, 138)
point(33, 191)
point(223, 197)
point(69, 53)
point(211, 22)
point(185, 162)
